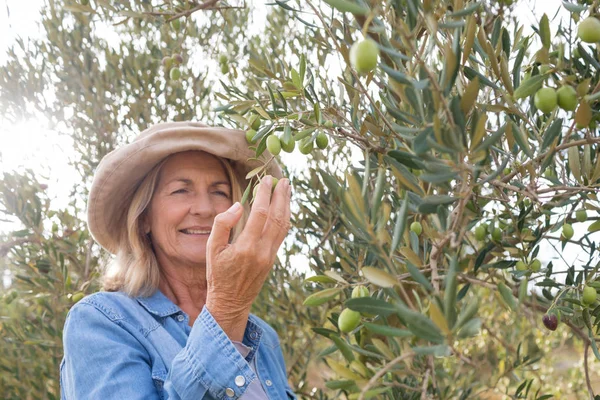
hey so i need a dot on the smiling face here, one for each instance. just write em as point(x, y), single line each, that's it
point(192, 189)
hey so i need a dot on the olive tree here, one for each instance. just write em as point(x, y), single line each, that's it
point(445, 148)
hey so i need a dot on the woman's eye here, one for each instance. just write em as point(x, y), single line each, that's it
point(179, 191)
point(222, 194)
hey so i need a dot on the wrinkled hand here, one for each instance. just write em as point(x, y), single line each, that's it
point(236, 272)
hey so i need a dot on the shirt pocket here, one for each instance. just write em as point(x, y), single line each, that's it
point(158, 377)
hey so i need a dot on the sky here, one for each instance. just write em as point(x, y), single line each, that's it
point(30, 144)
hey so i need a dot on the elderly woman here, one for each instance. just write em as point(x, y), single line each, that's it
point(173, 321)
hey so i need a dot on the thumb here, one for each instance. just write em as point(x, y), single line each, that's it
point(224, 223)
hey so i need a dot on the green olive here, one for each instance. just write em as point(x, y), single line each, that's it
point(588, 30)
point(348, 320)
point(545, 100)
point(416, 227)
point(175, 73)
point(250, 133)
point(273, 145)
point(480, 233)
point(567, 231)
point(322, 140)
point(589, 295)
point(306, 146)
point(497, 234)
point(360, 291)
point(288, 146)
point(567, 98)
point(363, 55)
point(535, 265)
point(255, 122)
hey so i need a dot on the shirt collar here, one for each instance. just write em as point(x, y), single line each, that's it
point(159, 304)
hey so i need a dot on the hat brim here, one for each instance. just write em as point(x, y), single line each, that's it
point(121, 171)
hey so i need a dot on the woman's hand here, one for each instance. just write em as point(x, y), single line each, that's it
point(236, 272)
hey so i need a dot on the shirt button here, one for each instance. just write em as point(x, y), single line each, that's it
point(229, 392)
point(268, 382)
point(240, 380)
point(180, 318)
point(254, 335)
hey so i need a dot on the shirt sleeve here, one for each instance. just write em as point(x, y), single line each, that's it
point(103, 360)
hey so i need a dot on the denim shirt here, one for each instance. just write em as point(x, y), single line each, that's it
point(119, 347)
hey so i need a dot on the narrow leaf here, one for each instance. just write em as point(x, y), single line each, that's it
point(379, 277)
point(529, 87)
point(347, 6)
point(316, 299)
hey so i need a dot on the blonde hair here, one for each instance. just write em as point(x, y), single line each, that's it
point(135, 269)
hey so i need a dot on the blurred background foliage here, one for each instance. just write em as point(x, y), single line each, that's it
point(444, 132)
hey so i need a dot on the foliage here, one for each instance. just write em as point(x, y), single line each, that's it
point(450, 136)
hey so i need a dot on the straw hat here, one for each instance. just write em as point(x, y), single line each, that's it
point(122, 170)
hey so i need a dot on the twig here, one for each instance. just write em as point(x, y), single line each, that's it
point(360, 84)
point(7, 246)
point(587, 372)
point(201, 6)
point(382, 372)
point(424, 386)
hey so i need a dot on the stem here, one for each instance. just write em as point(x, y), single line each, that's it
point(382, 372)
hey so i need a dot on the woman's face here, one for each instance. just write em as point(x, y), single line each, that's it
point(193, 187)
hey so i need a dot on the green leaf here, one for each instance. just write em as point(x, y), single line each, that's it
point(254, 172)
point(466, 11)
point(552, 133)
point(593, 344)
point(345, 384)
point(507, 295)
point(246, 194)
point(545, 31)
point(466, 314)
point(472, 74)
point(471, 328)
point(387, 330)
point(320, 279)
point(450, 292)
point(418, 276)
point(573, 7)
point(344, 347)
point(400, 225)
point(429, 204)
point(490, 140)
point(346, 6)
point(408, 159)
point(595, 227)
point(316, 299)
point(420, 325)
point(441, 350)
point(370, 305)
point(379, 277)
point(520, 138)
point(397, 76)
point(529, 87)
point(574, 162)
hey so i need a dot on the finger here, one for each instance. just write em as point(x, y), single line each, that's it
point(278, 222)
point(221, 229)
point(258, 212)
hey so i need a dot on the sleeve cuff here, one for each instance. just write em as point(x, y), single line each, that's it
point(214, 360)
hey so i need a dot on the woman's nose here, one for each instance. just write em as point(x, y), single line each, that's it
point(201, 204)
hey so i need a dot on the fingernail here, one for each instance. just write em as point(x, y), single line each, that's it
point(234, 208)
point(268, 180)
